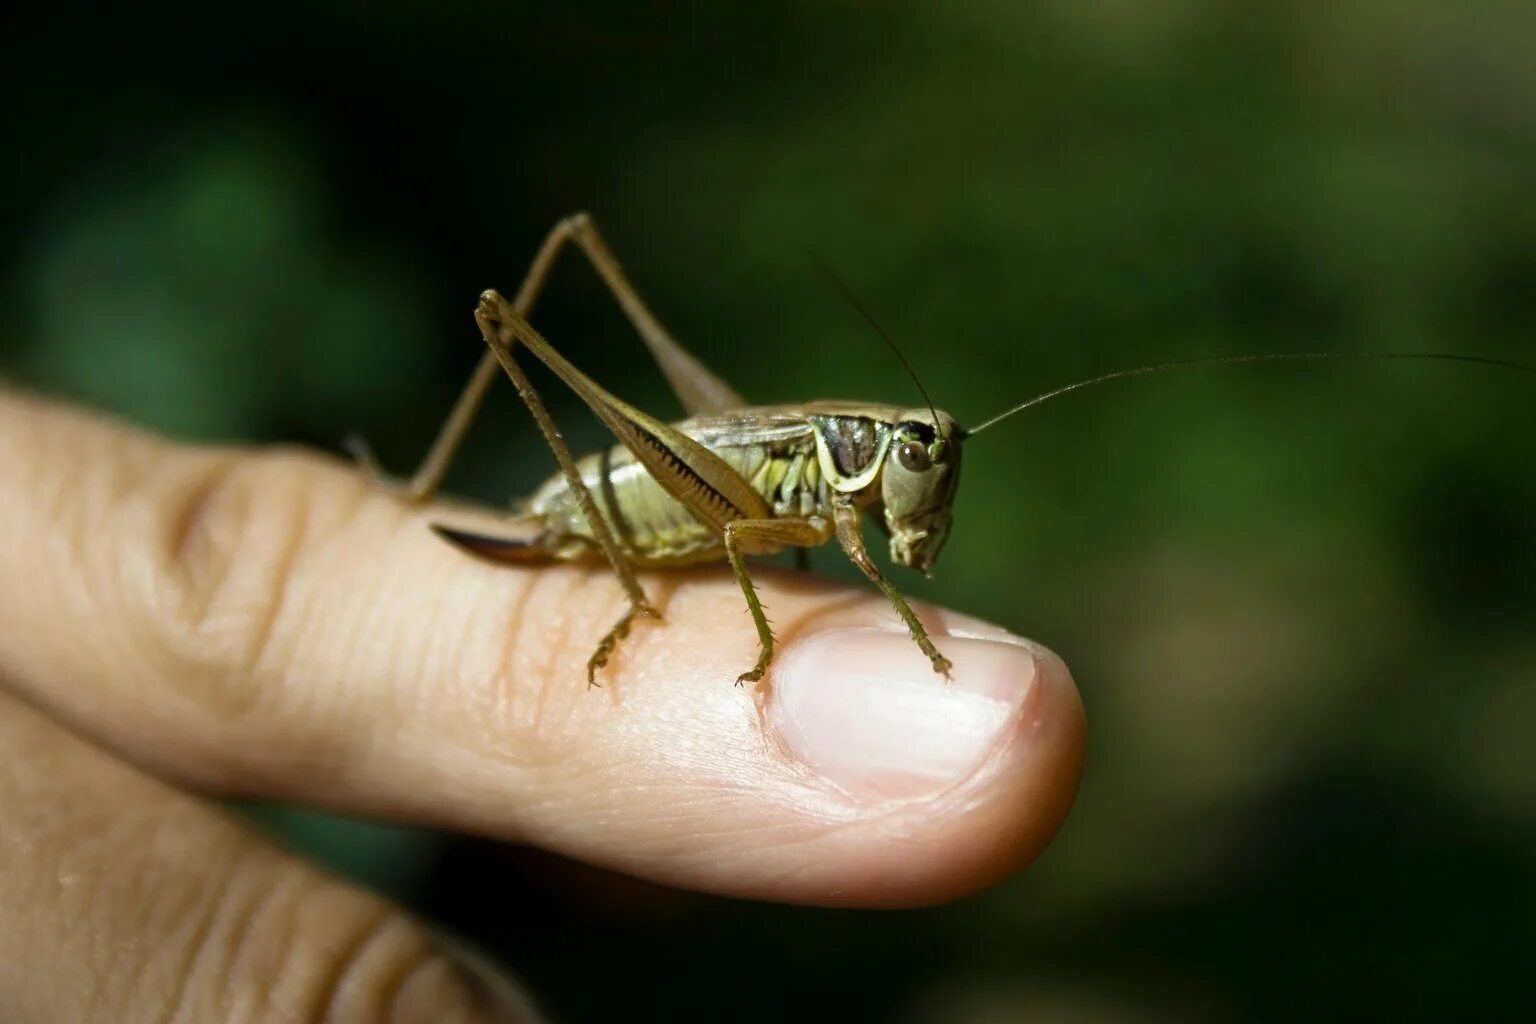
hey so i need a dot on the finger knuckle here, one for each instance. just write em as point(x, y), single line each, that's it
point(537, 668)
point(230, 529)
point(308, 950)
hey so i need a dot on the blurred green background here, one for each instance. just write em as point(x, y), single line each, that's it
point(1298, 600)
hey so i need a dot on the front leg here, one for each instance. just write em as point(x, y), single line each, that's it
point(799, 533)
point(852, 539)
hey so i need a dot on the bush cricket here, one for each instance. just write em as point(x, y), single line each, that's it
point(731, 480)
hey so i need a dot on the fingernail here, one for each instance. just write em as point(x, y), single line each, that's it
point(866, 710)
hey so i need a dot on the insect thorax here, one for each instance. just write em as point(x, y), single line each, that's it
point(851, 449)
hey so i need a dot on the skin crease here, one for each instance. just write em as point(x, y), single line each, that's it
point(269, 624)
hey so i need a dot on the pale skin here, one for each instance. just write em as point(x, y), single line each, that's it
point(195, 622)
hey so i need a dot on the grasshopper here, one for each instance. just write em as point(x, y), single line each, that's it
point(732, 480)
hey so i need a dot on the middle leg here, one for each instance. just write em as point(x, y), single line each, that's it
point(800, 533)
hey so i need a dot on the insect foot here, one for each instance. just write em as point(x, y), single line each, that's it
point(941, 664)
point(759, 670)
point(610, 642)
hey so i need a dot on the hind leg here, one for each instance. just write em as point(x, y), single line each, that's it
point(513, 551)
point(696, 387)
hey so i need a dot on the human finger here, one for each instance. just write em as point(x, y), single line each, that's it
point(268, 623)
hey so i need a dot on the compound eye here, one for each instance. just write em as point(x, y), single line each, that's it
point(913, 456)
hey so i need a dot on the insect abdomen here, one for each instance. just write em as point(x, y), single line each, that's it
point(654, 528)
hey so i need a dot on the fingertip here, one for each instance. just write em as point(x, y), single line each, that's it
point(866, 710)
point(961, 784)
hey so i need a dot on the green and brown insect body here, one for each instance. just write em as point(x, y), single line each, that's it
point(796, 458)
point(804, 461)
point(731, 480)
point(772, 450)
point(739, 488)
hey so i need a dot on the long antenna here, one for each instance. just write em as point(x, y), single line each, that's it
point(1262, 357)
point(853, 300)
